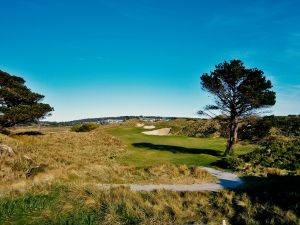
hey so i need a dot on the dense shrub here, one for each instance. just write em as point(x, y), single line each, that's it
point(230, 162)
point(257, 128)
point(86, 127)
point(277, 154)
point(254, 128)
point(202, 128)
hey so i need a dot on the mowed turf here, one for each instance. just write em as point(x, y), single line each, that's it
point(145, 150)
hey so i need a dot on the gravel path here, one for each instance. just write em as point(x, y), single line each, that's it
point(226, 180)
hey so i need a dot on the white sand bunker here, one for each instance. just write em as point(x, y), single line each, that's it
point(140, 124)
point(159, 132)
point(149, 127)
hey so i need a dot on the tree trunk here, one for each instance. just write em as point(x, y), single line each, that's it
point(232, 139)
point(235, 134)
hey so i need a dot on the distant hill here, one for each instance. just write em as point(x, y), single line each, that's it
point(106, 120)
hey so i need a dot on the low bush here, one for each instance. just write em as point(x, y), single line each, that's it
point(202, 128)
point(86, 127)
point(230, 162)
point(277, 154)
point(283, 155)
point(258, 128)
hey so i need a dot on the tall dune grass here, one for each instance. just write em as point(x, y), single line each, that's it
point(79, 204)
point(89, 157)
point(67, 191)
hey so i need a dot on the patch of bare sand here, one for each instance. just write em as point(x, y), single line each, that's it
point(159, 132)
point(149, 127)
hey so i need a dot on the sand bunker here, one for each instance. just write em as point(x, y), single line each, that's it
point(159, 132)
point(149, 127)
point(140, 125)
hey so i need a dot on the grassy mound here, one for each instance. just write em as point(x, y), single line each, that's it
point(162, 174)
point(92, 157)
point(61, 151)
point(176, 125)
point(202, 128)
point(86, 127)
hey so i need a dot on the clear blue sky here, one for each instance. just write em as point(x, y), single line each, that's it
point(105, 58)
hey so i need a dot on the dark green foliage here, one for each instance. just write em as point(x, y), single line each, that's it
point(201, 128)
point(19, 209)
point(28, 210)
point(18, 103)
point(230, 162)
point(255, 129)
point(125, 216)
point(86, 127)
point(269, 198)
point(233, 83)
point(278, 154)
point(239, 92)
point(83, 217)
point(259, 128)
point(29, 133)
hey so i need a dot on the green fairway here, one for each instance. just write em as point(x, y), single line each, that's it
point(145, 150)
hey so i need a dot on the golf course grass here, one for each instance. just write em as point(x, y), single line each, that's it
point(145, 150)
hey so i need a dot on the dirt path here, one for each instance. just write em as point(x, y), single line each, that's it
point(226, 180)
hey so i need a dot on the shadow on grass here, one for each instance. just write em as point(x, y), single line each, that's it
point(282, 191)
point(263, 200)
point(220, 164)
point(177, 149)
point(29, 133)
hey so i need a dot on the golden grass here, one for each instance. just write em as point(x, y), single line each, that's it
point(66, 203)
point(67, 191)
point(88, 158)
point(59, 149)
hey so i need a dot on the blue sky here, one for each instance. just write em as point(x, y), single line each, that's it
point(144, 57)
